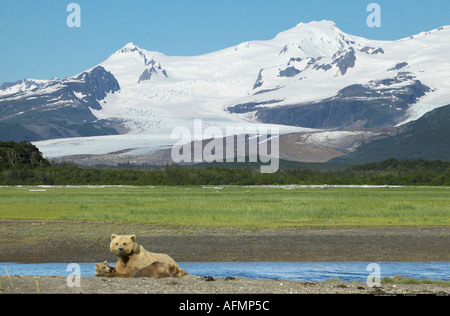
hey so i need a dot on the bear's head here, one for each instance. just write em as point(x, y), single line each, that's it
point(101, 269)
point(123, 245)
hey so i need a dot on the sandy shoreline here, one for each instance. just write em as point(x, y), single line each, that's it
point(199, 285)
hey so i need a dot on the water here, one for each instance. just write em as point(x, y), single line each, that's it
point(304, 271)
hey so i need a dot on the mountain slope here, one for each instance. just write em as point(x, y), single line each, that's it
point(58, 109)
point(427, 138)
point(311, 77)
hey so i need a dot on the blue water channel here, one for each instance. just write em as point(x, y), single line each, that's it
point(304, 271)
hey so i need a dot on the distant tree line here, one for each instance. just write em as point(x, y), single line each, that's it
point(23, 164)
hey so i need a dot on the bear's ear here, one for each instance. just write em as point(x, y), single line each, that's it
point(106, 261)
point(133, 237)
point(113, 236)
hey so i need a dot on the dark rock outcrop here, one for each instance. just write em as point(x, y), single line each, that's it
point(376, 104)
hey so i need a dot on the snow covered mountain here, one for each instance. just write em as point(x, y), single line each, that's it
point(23, 85)
point(57, 108)
point(313, 77)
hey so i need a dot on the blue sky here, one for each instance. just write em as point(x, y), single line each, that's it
point(35, 41)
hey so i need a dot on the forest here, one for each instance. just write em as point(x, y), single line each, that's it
point(21, 163)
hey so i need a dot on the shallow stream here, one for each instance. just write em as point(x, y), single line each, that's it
point(304, 271)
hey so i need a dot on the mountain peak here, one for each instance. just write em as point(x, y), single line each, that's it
point(315, 39)
point(128, 48)
point(324, 26)
point(322, 23)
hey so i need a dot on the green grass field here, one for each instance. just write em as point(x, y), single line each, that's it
point(231, 206)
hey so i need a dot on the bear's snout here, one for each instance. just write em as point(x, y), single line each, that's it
point(120, 250)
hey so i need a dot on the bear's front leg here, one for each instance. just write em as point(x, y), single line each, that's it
point(121, 269)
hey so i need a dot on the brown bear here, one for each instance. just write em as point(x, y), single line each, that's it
point(133, 257)
point(159, 270)
point(156, 270)
point(105, 270)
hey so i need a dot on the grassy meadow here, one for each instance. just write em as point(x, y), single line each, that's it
point(250, 208)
